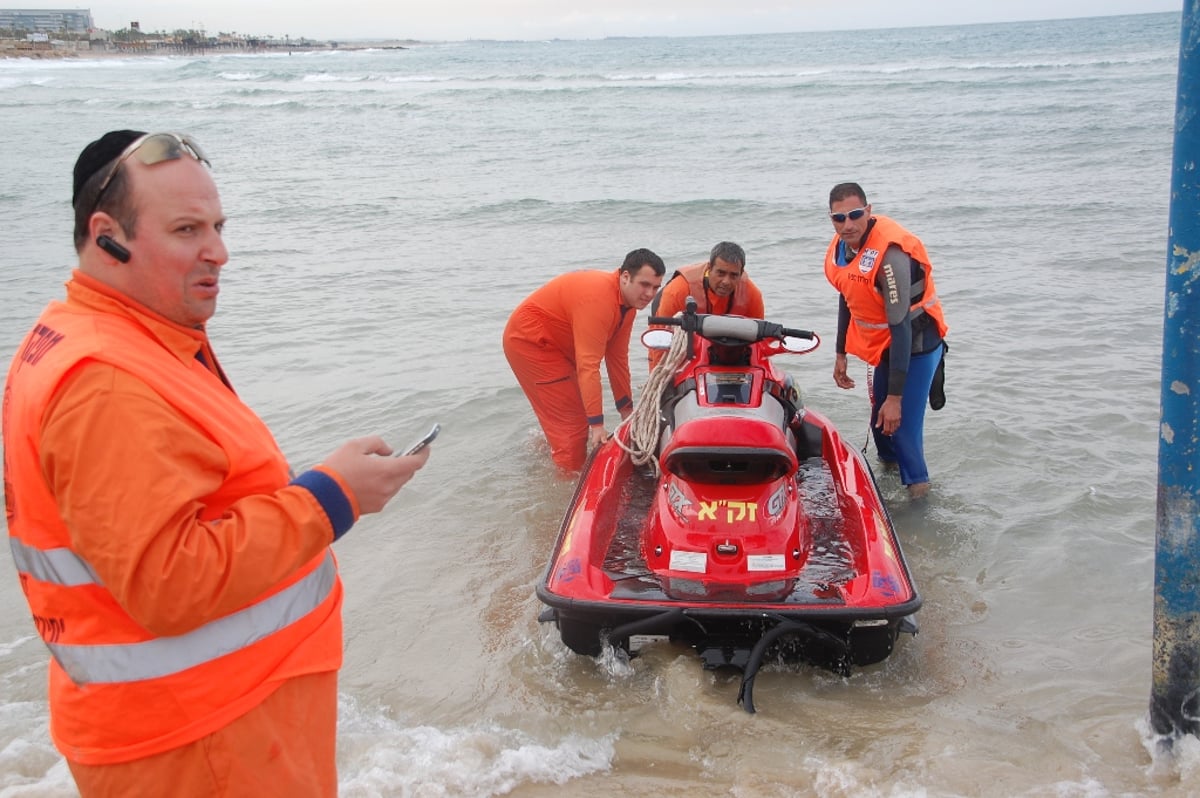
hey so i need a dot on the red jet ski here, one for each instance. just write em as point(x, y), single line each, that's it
point(725, 515)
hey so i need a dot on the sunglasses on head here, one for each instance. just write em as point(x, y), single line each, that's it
point(150, 149)
point(853, 215)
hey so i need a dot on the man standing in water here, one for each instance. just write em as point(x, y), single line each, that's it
point(180, 576)
point(888, 315)
point(554, 342)
point(719, 285)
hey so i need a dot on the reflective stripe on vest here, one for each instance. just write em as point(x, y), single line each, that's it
point(57, 566)
point(163, 656)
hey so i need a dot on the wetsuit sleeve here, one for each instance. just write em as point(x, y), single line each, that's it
point(617, 361)
point(894, 281)
point(591, 325)
point(131, 477)
point(843, 325)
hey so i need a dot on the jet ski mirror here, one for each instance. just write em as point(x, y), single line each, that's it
point(799, 346)
point(657, 338)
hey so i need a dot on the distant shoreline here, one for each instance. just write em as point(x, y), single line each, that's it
point(47, 54)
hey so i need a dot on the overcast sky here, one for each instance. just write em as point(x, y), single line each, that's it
point(579, 19)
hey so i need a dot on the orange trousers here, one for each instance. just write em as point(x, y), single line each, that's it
point(285, 747)
point(549, 382)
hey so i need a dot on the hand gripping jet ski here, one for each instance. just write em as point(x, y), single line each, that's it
point(726, 516)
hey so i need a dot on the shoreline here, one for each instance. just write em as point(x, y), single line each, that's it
point(54, 54)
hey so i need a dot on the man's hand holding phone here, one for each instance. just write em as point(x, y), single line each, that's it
point(372, 478)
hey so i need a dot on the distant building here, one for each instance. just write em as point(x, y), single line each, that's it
point(47, 20)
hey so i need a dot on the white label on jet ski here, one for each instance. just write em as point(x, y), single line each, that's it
point(694, 561)
point(765, 562)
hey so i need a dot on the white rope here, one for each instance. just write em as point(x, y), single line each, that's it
point(646, 419)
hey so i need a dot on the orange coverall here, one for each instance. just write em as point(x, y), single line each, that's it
point(554, 342)
point(130, 478)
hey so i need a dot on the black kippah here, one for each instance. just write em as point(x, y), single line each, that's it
point(100, 152)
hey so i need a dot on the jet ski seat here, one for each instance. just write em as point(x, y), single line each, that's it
point(715, 449)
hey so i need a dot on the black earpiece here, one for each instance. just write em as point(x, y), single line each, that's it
point(113, 248)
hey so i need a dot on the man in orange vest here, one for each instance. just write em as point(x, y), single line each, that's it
point(180, 576)
point(888, 315)
point(554, 342)
point(719, 285)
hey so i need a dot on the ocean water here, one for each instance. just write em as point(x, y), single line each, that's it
point(389, 208)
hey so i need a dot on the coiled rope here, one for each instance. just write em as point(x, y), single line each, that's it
point(645, 421)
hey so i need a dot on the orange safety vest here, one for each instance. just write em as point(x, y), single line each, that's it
point(117, 691)
point(868, 335)
point(737, 304)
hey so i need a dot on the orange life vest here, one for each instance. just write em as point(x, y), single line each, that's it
point(118, 692)
point(868, 335)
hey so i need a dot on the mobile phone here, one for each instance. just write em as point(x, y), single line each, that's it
point(423, 442)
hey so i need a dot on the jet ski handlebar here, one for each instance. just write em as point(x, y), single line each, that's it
point(730, 329)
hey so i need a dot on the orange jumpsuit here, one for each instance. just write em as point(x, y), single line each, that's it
point(196, 627)
point(746, 299)
point(554, 342)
